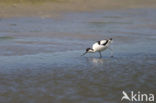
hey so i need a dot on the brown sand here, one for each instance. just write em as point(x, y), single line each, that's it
point(53, 9)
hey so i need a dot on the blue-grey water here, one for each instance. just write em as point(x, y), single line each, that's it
point(40, 58)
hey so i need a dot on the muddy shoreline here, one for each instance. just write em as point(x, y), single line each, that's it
point(55, 9)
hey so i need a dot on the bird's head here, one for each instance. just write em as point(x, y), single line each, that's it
point(88, 50)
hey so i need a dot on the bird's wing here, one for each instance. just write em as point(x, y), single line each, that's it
point(103, 42)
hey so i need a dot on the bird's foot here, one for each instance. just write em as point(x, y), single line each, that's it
point(100, 57)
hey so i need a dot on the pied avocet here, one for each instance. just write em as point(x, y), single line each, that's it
point(99, 46)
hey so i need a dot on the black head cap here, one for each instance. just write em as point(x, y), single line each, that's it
point(110, 39)
point(86, 51)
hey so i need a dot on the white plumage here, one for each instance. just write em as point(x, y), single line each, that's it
point(99, 46)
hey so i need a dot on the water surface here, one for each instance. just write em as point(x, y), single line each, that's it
point(41, 62)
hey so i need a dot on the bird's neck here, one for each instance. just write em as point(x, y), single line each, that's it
point(92, 51)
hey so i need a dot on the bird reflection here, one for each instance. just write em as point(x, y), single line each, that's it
point(95, 61)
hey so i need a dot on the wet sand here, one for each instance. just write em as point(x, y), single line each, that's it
point(41, 62)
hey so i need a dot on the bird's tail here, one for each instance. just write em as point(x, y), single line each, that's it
point(111, 40)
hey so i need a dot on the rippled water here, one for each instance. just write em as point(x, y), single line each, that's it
point(41, 62)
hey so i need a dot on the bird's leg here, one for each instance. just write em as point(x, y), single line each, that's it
point(111, 51)
point(100, 55)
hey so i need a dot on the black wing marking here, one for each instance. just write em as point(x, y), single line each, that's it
point(98, 42)
point(105, 42)
point(101, 43)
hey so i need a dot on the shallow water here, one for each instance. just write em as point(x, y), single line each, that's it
point(41, 62)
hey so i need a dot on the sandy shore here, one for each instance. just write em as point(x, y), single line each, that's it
point(53, 9)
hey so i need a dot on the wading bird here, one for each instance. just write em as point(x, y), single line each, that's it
point(100, 46)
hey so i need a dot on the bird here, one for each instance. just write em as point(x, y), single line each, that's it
point(99, 46)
